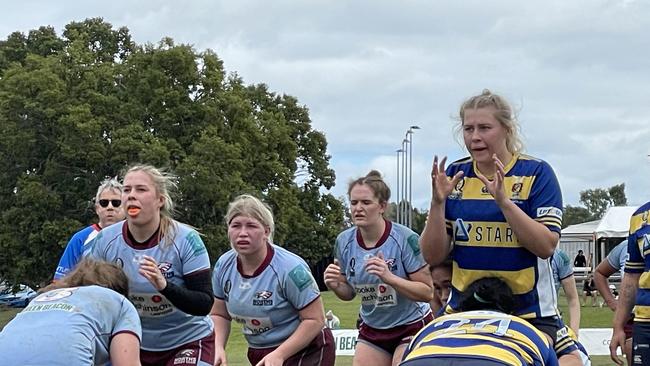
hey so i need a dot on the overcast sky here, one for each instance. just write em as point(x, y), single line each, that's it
point(577, 72)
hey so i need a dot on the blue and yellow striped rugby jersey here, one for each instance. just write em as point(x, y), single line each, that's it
point(482, 335)
point(484, 244)
point(638, 248)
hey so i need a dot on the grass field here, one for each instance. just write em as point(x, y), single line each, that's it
point(347, 312)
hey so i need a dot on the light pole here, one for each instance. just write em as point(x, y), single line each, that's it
point(397, 191)
point(409, 134)
point(403, 192)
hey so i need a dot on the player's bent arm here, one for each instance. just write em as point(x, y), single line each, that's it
point(603, 271)
point(312, 322)
point(434, 241)
point(344, 291)
point(532, 235)
point(335, 281)
point(626, 299)
point(221, 320)
point(418, 287)
point(573, 301)
point(125, 350)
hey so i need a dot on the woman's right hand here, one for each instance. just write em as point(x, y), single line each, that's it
point(333, 276)
point(441, 185)
point(220, 357)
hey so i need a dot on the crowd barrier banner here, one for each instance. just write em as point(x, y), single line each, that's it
point(595, 340)
point(345, 340)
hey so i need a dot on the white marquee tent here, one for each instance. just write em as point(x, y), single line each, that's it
point(591, 236)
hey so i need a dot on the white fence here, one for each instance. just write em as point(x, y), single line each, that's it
point(595, 340)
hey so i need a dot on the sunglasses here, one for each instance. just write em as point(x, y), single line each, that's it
point(115, 203)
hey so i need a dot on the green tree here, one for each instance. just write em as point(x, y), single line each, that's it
point(596, 202)
point(80, 107)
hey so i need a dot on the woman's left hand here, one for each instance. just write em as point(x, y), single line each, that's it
point(495, 186)
point(272, 359)
point(377, 266)
point(149, 270)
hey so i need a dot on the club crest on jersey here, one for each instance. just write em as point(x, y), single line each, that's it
point(119, 262)
point(457, 193)
point(390, 262)
point(484, 190)
point(263, 298)
point(516, 190)
point(166, 269)
point(645, 215)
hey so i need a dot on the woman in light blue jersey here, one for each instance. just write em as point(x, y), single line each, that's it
point(270, 292)
point(381, 262)
point(82, 319)
point(168, 269)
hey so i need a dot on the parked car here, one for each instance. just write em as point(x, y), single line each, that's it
point(18, 299)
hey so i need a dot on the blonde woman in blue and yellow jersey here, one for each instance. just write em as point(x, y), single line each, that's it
point(498, 212)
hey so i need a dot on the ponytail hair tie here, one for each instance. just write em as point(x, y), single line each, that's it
point(480, 299)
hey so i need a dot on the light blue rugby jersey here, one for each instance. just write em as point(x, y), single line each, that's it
point(561, 266)
point(68, 326)
point(382, 307)
point(164, 327)
point(618, 256)
point(266, 303)
point(484, 244)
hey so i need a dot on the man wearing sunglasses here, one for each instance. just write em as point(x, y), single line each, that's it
point(109, 209)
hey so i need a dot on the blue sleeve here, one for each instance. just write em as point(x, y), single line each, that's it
point(338, 255)
point(128, 320)
point(217, 279)
point(194, 255)
point(635, 242)
point(546, 199)
point(300, 287)
point(71, 255)
point(564, 268)
point(411, 254)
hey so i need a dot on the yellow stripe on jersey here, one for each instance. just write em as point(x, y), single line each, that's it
point(521, 282)
point(644, 280)
point(487, 351)
point(638, 220)
point(515, 340)
point(550, 221)
point(641, 313)
point(489, 234)
point(516, 188)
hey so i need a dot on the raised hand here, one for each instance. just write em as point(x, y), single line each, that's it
point(377, 266)
point(149, 270)
point(495, 186)
point(333, 276)
point(441, 185)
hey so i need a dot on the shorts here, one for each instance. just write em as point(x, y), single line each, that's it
point(196, 353)
point(641, 344)
point(549, 325)
point(389, 339)
point(320, 352)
